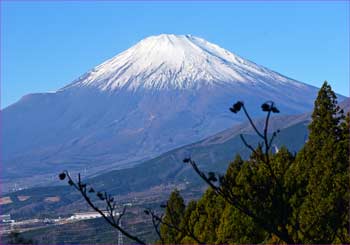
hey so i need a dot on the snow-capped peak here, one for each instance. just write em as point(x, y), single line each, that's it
point(170, 61)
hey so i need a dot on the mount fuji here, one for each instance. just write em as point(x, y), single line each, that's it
point(164, 92)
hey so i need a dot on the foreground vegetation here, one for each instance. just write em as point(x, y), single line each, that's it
point(269, 198)
point(292, 198)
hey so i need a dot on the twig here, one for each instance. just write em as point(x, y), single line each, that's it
point(82, 189)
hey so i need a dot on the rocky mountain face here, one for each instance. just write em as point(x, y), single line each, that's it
point(164, 92)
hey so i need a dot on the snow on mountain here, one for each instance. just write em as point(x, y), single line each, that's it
point(177, 62)
point(164, 92)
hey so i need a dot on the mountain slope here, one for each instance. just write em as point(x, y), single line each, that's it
point(164, 92)
point(211, 154)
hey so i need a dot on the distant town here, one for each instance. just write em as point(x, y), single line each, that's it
point(8, 224)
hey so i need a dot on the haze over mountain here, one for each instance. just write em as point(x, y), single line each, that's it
point(164, 92)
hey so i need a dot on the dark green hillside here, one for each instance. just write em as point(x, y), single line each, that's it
point(211, 155)
point(169, 167)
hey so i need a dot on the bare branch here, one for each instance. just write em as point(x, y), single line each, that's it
point(81, 187)
point(252, 123)
point(121, 215)
point(246, 144)
point(175, 227)
point(156, 221)
point(229, 195)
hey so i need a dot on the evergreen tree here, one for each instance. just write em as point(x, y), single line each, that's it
point(302, 199)
point(320, 175)
point(209, 210)
point(188, 223)
point(269, 198)
point(174, 212)
point(236, 227)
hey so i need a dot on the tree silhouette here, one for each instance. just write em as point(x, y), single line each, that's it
point(251, 205)
point(302, 199)
point(270, 198)
point(113, 217)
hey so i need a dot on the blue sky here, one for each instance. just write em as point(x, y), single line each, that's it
point(47, 44)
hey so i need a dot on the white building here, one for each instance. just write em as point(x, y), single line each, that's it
point(6, 218)
point(87, 215)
